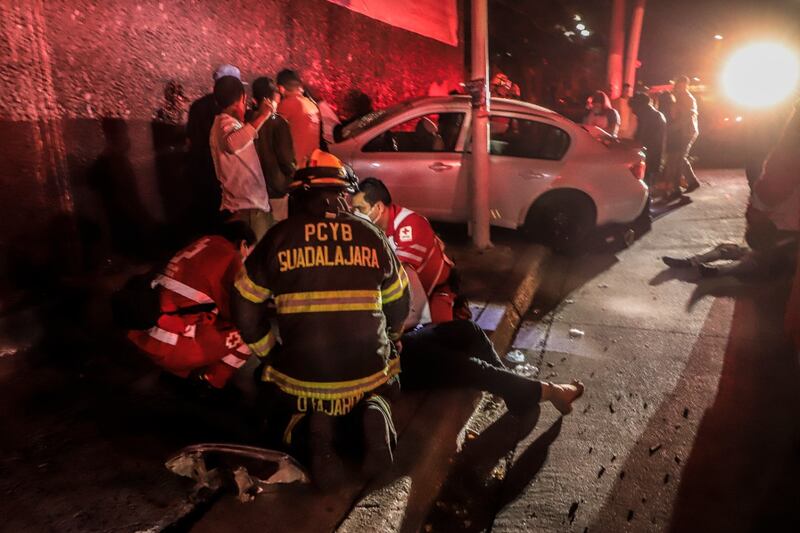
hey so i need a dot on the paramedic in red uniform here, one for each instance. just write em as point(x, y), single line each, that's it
point(414, 242)
point(194, 335)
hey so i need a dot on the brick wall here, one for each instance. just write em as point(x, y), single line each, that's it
point(69, 67)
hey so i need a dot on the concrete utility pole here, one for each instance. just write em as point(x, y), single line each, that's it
point(480, 126)
point(633, 42)
point(616, 47)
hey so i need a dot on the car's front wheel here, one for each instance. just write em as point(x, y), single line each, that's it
point(563, 220)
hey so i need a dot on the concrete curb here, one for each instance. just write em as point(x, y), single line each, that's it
point(531, 267)
point(389, 509)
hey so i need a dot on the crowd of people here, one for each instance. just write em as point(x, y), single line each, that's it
point(345, 298)
point(667, 132)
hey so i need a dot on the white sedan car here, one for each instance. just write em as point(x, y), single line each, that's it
point(548, 175)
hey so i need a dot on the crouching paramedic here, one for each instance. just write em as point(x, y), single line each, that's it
point(341, 298)
point(417, 247)
point(194, 335)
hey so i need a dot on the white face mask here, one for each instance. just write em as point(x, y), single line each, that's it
point(361, 215)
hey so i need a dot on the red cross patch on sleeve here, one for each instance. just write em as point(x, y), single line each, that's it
point(406, 234)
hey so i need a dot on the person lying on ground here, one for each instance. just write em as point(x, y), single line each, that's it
point(458, 354)
point(773, 222)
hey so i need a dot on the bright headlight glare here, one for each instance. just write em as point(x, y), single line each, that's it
point(761, 74)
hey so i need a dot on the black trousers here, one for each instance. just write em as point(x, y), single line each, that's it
point(287, 421)
point(458, 354)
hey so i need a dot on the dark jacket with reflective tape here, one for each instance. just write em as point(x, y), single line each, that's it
point(341, 298)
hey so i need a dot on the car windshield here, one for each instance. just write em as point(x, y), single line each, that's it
point(370, 119)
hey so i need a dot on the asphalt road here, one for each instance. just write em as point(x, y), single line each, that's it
point(689, 422)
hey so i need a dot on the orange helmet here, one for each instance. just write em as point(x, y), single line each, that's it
point(324, 170)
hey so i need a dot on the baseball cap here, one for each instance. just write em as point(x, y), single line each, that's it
point(227, 70)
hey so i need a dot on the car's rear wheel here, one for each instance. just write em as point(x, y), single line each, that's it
point(562, 220)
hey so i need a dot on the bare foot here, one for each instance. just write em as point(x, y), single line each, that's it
point(562, 395)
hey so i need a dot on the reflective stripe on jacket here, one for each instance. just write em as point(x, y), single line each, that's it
point(341, 298)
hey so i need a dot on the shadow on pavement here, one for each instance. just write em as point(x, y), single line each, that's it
point(566, 275)
point(722, 287)
point(669, 274)
point(486, 476)
point(743, 470)
point(662, 210)
point(738, 468)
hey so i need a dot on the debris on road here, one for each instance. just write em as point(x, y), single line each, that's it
point(576, 333)
point(602, 286)
point(247, 486)
point(526, 370)
point(515, 356)
point(611, 407)
point(601, 472)
point(630, 515)
point(572, 510)
point(666, 479)
point(569, 302)
point(654, 449)
point(267, 467)
point(686, 412)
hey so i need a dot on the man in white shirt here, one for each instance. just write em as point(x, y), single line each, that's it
point(244, 190)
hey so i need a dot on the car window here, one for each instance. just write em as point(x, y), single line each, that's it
point(516, 137)
point(434, 132)
point(369, 120)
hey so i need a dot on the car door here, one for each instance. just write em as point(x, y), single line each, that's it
point(419, 157)
point(526, 155)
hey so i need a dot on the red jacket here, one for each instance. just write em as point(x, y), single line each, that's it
point(201, 273)
point(416, 245)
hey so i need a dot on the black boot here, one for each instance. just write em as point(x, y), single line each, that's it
point(379, 437)
point(327, 468)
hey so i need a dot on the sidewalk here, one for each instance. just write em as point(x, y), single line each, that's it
point(84, 449)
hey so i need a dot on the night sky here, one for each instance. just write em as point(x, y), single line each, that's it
point(678, 35)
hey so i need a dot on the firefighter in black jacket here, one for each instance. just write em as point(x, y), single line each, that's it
point(341, 298)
